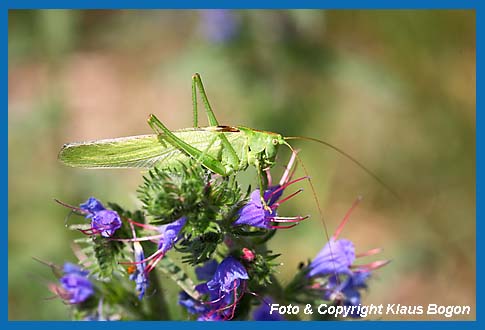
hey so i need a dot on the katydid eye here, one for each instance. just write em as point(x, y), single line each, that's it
point(275, 142)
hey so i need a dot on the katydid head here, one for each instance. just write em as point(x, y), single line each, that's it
point(262, 146)
point(273, 140)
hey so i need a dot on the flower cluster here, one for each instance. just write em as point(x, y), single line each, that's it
point(192, 217)
point(335, 272)
point(224, 287)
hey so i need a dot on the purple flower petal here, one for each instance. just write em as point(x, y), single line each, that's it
point(74, 269)
point(271, 196)
point(219, 25)
point(253, 213)
point(92, 205)
point(139, 275)
point(76, 284)
point(228, 275)
point(335, 258)
point(206, 272)
point(346, 290)
point(193, 306)
point(170, 234)
point(106, 222)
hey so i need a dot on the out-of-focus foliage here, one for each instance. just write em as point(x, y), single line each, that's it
point(395, 89)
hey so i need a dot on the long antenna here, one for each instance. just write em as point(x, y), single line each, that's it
point(315, 197)
point(313, 190)
point(349, 157)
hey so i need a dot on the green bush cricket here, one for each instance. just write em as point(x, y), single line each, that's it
point(223, 150)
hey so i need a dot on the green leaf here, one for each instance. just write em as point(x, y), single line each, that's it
point(168, 267)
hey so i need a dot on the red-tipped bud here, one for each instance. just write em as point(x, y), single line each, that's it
point(248, 255)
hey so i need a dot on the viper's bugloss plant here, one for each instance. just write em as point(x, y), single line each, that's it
point(204, 235)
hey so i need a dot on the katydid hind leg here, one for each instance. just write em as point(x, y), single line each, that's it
point(207, 160)
point(233, 157)
point(197, 82)
point(194, 104)
point(156, 125)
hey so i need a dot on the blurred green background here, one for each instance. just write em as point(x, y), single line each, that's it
point(395, 89)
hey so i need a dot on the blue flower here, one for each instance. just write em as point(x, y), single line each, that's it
point(255, 214)
point(213, 310)
point(193, 306)
point(221, 291)
point(336, 257)
point(70, 268)
point(210, 317)
point(103, 221)
point(262, 313)
point(106, 222)
point(334, 264)
point(228, 276)
point(219, 25)
point(92, 205)
point(206, 272)
point(345, 291)
point(75, 285)
point(139, 274)
point(169, 234)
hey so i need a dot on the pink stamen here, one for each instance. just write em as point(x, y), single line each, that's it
point(286, 175)
point(213, 301)
point(286, 185)
point(143, 225)
point(73, 208)
point(318, 288)
point(133, 232)
point(154, 262)
point(371, 266)
point(288, 219)
point(141, 239)
point(292, 173)
point(235, 303)
point(90, 231)
point(236, 300)
point(369, 253)
point(275, 205)
point(156, 254)
point(51, 298)
point(221, 297)
point(94, 231)
point(346, 218)
point(269, 178)
point(282, 227)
